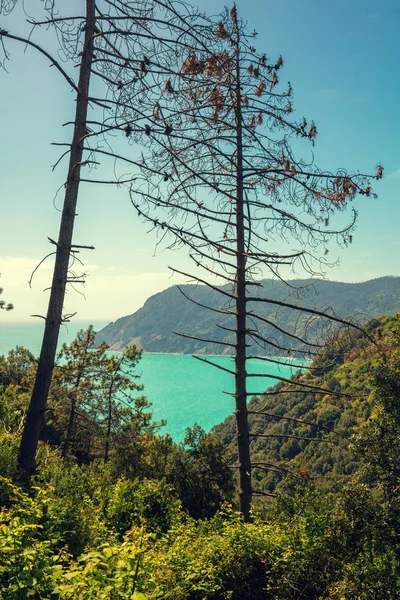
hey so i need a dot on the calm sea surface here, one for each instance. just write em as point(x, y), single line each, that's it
point(182, 389)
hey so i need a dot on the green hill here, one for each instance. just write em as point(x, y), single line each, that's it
point(152, 326)
point(308, 433)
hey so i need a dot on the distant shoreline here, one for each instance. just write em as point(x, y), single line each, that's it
point(285, 358)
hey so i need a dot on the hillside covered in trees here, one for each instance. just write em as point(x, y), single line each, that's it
point(154, 519)
point(301, 432)
point(152, 327)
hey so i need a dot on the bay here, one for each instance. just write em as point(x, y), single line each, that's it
point(185, 391)
point(182, 389)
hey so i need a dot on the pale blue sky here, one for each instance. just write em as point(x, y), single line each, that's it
point(342, 59)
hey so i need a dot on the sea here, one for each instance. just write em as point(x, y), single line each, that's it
point(182, 389)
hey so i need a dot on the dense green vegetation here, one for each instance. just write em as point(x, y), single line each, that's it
point(152, 326)
point(71, 540)
point(156, 520)
point(330, 418)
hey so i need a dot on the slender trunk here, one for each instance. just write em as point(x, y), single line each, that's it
point(109, 416)
point(242, 427)
point(108, 434)
point(70, 428)
point(37, 407)
point(75, 391)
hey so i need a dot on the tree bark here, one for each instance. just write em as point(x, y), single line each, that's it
point(37, 406)
point(110, 407)
point(242, 427)
point(70, 428)
point(109, 419)
point(74, 401)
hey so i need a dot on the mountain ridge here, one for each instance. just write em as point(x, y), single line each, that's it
point(152, 326)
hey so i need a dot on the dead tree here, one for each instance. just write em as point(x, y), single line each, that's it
point(126, 47)
point(227, 185)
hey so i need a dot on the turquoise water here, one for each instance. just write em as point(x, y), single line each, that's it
point(30, 335)
point(185, 391)
point(182, 389)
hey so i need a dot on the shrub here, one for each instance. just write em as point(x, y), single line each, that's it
point(25, 555)
point(135, 502)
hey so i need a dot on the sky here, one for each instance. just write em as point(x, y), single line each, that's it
point(342, 60)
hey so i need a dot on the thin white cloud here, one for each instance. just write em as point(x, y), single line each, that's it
point(107, 294)
point(17, 271)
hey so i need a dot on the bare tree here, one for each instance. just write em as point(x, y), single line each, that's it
point(227, 184)
point(125, 47)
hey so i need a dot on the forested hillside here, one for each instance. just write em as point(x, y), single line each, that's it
point(152, 327)
point(313, 433)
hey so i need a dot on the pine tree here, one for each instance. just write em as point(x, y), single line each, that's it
point(94, 394)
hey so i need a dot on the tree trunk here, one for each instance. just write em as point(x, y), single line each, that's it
point(242, 427)
point(110, 406)
point(75, 394)
point(108, 433)
point(37, 407)
point(70, 428)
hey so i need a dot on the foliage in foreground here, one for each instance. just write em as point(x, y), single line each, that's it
point(155, 526)
point(313, 545)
